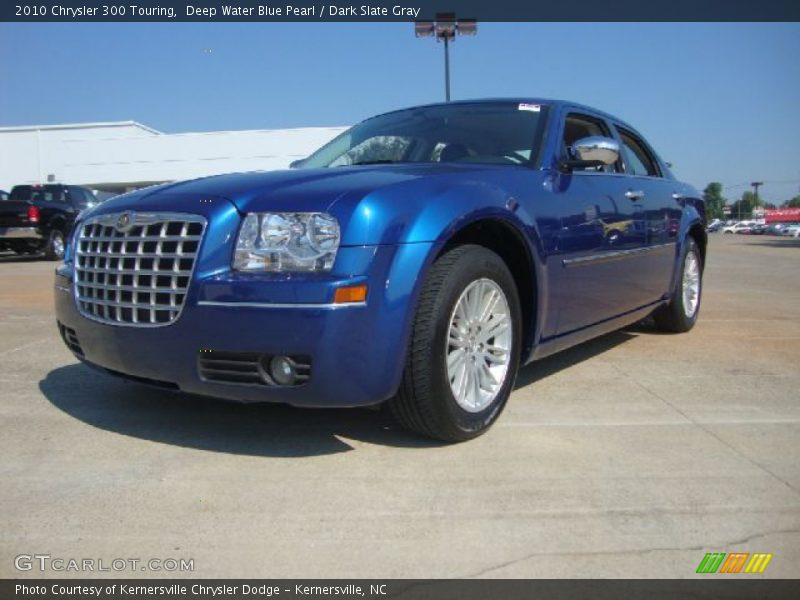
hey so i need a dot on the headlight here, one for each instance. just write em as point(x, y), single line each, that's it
point(286, 242)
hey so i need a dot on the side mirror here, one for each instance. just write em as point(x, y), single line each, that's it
point(593, 151)
point(296, 164)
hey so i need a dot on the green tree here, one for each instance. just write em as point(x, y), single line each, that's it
point(743, 208)
point(793, 203)
point(714, 200)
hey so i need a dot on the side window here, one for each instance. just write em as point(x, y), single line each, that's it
point(577, 126)
point(638, 160)
point(55, 194)
point(75, 195)
point(80, 197)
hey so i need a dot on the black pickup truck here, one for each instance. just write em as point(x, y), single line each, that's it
point(38, 218)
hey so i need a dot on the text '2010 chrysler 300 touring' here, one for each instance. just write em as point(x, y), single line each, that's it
point(417, 259)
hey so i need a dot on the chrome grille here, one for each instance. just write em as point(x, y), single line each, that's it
point(135, 268)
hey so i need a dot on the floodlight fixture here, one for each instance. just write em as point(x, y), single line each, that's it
point(445, 28)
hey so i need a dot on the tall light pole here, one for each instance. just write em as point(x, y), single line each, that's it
point(445, 28)
point(756, 185)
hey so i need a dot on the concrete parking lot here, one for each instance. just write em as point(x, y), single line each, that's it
point(630, 456)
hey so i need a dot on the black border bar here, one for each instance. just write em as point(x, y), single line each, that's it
point(711, 587)
point(389, 10)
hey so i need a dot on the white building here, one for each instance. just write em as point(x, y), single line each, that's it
point(119, 156)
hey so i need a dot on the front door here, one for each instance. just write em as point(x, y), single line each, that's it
point(601, 240)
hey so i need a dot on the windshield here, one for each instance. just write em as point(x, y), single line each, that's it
point(38, 193)
point(491, 133)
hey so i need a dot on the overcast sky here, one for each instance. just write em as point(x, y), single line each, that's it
point(720, 101)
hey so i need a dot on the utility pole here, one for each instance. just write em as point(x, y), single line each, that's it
point(447, 69)
point(756, 185)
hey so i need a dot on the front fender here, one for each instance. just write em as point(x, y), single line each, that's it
point(415, 211)
point(421, 229)
point(57, 222)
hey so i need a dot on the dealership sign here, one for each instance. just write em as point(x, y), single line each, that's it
point(782, 215)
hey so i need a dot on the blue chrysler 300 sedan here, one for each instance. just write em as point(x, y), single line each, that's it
point(417, 259)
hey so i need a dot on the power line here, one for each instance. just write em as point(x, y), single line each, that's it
point(749, 184)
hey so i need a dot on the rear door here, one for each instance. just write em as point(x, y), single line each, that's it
point(601, 237)
point(655, 193)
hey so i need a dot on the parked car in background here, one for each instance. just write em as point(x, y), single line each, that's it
point(790, 229)
point(757, 229)
point(39, 218)
point(774, 229)
point(741, 227)
point(418, 259)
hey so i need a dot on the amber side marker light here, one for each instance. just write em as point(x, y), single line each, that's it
point(350, 294)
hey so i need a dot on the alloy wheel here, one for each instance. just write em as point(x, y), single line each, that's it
point(479, 341)
point(691, 284)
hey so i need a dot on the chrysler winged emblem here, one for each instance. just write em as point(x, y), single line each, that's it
point(124, 222)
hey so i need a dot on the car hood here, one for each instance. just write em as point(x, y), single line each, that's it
point(304, 189)
point(367, 200)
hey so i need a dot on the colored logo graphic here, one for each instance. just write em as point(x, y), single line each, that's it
point(736, 562)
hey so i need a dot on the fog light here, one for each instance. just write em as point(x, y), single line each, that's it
point(282, 370)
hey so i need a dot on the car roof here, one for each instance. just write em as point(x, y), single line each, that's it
point(514, 100)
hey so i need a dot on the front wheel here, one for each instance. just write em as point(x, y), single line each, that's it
point(680, 314)
point(464, 349)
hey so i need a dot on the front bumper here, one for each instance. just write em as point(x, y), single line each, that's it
point(357, 351)
point(20, 233)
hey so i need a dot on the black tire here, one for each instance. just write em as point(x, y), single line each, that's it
point(425, 402)
point(54, 247)
point(672, 316)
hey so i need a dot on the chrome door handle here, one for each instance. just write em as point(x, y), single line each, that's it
point(634, 195)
